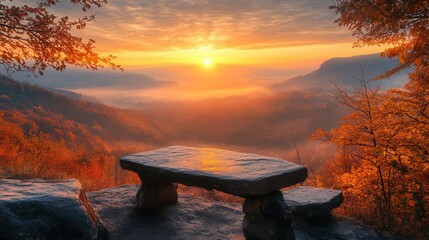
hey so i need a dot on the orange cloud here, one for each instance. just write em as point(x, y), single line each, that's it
point(154, 25)
point(155, 32)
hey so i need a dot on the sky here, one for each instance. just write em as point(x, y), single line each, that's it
point(214, 44)
point(253, 32)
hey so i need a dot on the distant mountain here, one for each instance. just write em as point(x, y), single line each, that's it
point(75, 78)
point(345, 72)
point(37, 109)
point(74, 95)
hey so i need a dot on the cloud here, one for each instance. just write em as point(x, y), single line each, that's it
point(156, 25)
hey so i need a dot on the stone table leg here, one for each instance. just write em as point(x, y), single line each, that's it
point(265, 218)
point(153, 193)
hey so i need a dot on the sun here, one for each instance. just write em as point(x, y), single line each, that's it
point(207, 62)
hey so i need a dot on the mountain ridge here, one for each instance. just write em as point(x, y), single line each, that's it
point(345, 72)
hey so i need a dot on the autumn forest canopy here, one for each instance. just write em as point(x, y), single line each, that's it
point(279, 78)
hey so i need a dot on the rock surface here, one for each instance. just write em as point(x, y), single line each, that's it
point(200, 218)
point(152, 196)
point(265, 218)
point(257, 226)
point(191, 218)
point(271, 204)
point(309, 202)
point(227, 171)
point(39, 209)
point(340, 229)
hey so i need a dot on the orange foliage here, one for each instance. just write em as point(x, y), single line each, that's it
point(387, 132)
point(40, 155)
point(57, 47)
point(385, 153)
point(403, 25)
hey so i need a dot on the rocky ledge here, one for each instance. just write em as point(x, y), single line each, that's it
point(200, 218)
point(40, 209)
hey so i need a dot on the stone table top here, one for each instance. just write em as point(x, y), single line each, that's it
point(309, 202)
point(240, 174)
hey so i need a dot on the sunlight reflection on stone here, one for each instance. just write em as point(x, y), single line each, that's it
point(212, 162)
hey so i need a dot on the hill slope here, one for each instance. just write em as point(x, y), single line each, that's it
point(345, 72)
point(37, 109)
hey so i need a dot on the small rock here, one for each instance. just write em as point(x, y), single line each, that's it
point(271, 204)
point(251, 205)
point(152, 196)
point(39, 209)
point(308, 202)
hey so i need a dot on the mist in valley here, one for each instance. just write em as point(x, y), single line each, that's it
point(272, 111)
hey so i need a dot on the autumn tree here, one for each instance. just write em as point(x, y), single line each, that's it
point(33, 38)
point(378, 180)
point(404, 27)
point(401, 25)
point(388, 131)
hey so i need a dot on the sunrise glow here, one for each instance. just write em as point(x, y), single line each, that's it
point(251, 97)
point(194, 33)
point(207, 62)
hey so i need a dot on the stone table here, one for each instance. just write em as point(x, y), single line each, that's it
point(254, 177)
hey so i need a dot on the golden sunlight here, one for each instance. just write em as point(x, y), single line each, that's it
point(296, 55)
point(207, 62)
